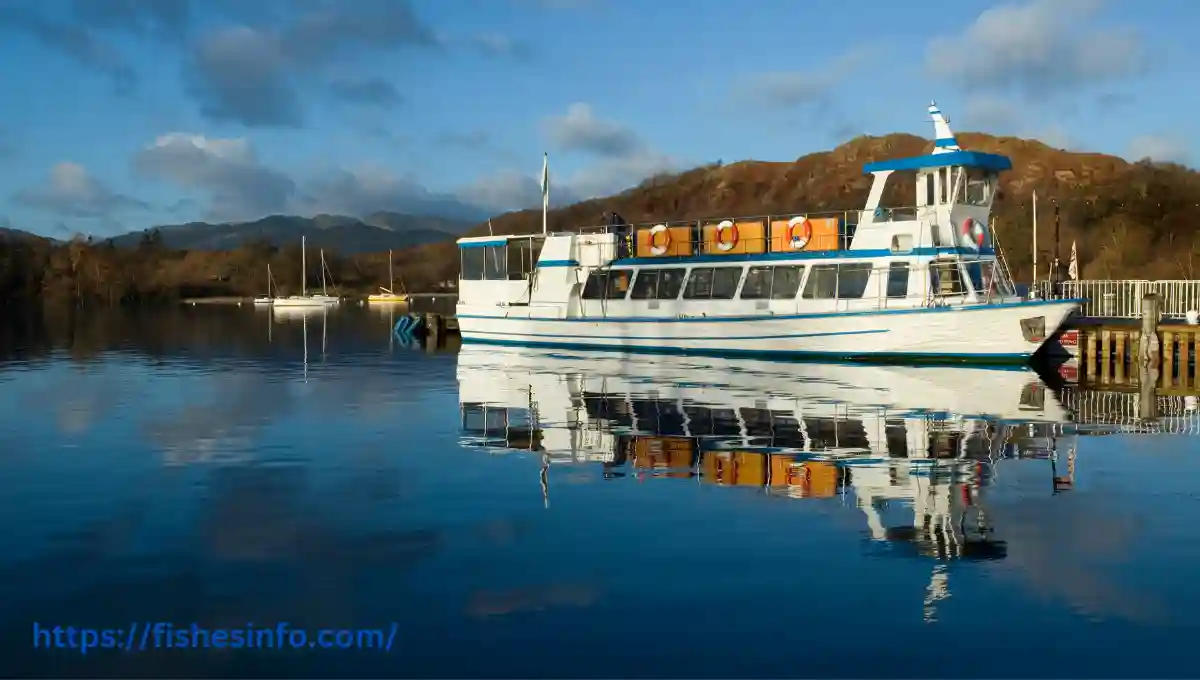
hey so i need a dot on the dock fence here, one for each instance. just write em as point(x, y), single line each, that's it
point(1123, 298)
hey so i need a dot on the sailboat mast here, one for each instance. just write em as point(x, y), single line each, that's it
point(303, 267)
point(391, 287)
point(323, 291)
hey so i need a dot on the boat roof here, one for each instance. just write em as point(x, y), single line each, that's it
point(970, 159)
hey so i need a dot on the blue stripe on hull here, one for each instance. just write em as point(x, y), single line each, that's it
point(1030, 304)
point(884, 357)
point(784, 336)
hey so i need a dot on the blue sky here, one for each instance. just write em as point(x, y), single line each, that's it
point(123, 114)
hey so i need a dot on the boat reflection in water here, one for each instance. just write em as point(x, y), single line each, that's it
point(922, 442)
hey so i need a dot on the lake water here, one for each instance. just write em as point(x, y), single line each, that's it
point(504, 513)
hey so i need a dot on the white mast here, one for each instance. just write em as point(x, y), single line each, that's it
point(303, 267)
point(391, 286)
point(545, 190)
point(323, 291)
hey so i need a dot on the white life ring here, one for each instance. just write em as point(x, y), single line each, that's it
point(724, 226)
point(654, 232)
point(801, 239)
point(974, 235)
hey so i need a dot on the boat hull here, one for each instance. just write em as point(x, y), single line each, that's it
point(299, 302)
point(990, 333)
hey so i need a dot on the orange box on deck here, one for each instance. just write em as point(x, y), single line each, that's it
point(751, 238)
point(738, 468)
point(680, 244)
point(824, 235)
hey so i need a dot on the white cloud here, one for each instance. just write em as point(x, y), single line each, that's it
point(580, 130)
point(797, 88)
point(228, 170)
point(1038, 47)
point(990, 113)
point(71, 191)
point(1159, 148)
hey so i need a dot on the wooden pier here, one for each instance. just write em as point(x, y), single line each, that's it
point(435, 312)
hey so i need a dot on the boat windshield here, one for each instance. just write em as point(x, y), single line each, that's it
point(988, 279)
point(980, 185)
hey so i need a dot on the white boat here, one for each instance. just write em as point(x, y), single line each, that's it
point(385, 295)
point(303, 299)
point(269, 298)
point(324, 296)
point(926, 282)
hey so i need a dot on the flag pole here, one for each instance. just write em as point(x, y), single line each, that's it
point(1035, 240)
point(545, 190)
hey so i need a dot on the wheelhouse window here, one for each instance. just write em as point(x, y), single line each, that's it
point(980, 185)
point(897, 283)
point(712, 283)
point(946, 278)
point(611, 284)
point(657, 284)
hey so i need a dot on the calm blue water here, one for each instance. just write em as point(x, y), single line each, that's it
point(670, 517)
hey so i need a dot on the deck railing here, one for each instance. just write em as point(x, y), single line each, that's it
point(1123, 298)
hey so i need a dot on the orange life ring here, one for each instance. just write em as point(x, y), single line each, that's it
point(800, 240)
point(655, 248)
point(973, 231)
point(724, 226)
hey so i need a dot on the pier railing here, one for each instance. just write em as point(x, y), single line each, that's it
point(1123, 298)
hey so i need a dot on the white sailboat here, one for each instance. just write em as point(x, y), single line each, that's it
point(387, 295)
point(303, 299)
point(325, 297)
point(269, 298)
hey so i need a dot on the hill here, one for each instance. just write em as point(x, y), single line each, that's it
point(378, 232)
point(1130, 220)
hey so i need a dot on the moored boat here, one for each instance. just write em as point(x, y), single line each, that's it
point(925, 282)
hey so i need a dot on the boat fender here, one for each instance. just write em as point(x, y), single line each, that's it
point(973, 232)
point(655, 248)
point(799, 231)
point(729, 226)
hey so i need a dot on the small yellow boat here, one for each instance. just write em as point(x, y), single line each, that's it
point(386, 294)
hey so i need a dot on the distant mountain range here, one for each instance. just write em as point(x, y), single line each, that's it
point(348, 235)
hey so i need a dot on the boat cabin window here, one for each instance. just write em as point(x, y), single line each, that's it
point(772, 283)
point(523, 255)
point(658, 284)
point(946, 278)
point(611, 284)
point(712, 283)
point(902, 243)
point(897, 283)
point(852, 279)
point(822, 282)
point(930, 188)
point(484, 263)
point(846, 281)
point(980, 184)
